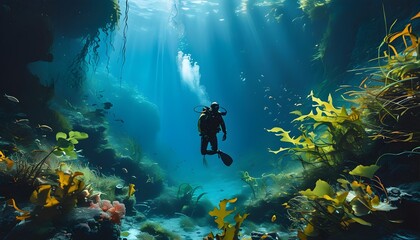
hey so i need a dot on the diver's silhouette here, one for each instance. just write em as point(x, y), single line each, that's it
point(210, 123)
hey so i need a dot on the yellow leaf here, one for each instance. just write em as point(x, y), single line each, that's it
point(375, 201)
point(221, 213)
point(277, 151)
point(321, 188)
point(63, 178)
point(364, 171)
point(276, 129)
point(296, 112)
point(309, 230)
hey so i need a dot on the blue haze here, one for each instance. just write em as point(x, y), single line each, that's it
point(257, 68)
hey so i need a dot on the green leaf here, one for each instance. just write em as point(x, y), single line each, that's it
point(73, 140)
point(71, 154)
point(63, 143)
point(58, 152)
point(60, 135)
point(364, 171)
point(78, 135)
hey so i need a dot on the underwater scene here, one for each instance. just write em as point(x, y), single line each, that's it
point(209, 119)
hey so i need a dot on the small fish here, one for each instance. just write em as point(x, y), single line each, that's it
point(119, 120)
point(22, 120)
point(273, 218)
point(107, 105)
point(131, 189)
point(45, 127)
point(124, 170)
point(11, 98)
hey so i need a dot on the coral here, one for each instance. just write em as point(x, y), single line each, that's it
point(113, 212)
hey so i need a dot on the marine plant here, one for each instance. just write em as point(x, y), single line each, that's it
point(390, 93)
point(158, 231)
point(27, 177)
point(230, 232)
point(186, 197)
point(268, 184)
point(327, 137)
point(55, 199)
point(327, 210)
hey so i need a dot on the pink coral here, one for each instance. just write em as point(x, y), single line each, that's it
point(113, 212)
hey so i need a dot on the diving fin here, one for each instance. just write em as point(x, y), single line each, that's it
point(227, 160)
point(205, 161)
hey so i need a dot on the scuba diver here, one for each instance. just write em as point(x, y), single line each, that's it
point(210, 123)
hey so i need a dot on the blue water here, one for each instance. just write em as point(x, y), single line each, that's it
point(184, 54)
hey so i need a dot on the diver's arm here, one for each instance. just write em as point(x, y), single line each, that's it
point(200, 119)
point(222, 125)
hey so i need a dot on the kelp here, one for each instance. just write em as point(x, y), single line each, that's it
point(390, 94)
point(230, 231)
point(329, 210)
point(327, 136)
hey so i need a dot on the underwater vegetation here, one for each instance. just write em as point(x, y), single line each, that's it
point(27, 175)
point(187, 198)
point(57, 194)
point(327, 210)
point(230, 231)
point(389, 95)
point(332, 141)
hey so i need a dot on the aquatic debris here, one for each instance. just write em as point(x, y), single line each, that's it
point(11, 98)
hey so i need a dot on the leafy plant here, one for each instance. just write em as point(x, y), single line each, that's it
point(327, 136)
point(390, 93)
point(327, 210)
point(230, 232)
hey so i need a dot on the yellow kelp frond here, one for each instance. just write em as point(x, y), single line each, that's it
point(25, 215)
point(131, 189)
point(277, 151)
point(221, 213)
point(42, 196)
point(321, 188)
point(416, 16)
point(8, 161)
point(364, 171)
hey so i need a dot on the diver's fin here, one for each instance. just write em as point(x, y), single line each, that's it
point(227, 160)
point(205, 161)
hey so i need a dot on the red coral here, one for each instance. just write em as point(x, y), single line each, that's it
point(113, 212)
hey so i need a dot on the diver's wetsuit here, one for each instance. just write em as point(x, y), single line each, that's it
point(209, 125)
